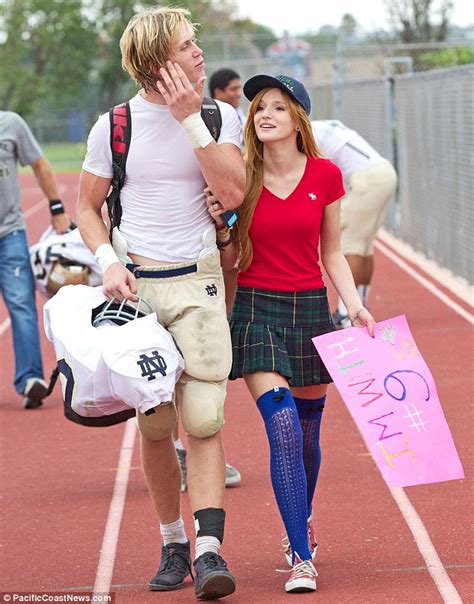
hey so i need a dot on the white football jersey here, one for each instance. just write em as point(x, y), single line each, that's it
point(112, 368)
point(345, 147)
point(52, 247)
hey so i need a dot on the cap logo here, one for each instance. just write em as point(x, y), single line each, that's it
point(287, 82)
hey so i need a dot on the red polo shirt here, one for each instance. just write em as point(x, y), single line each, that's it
point(285, 232)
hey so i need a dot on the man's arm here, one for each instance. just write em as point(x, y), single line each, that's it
point(224, 172)
point(48, 184)
point(118, 281)
point(222, 165)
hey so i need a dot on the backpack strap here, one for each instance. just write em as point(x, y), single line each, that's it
point(120, 137)
point(211, 114)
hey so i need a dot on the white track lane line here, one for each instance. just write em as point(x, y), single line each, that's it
point(423, 281)
point(426, 548)
point(105, 568)
point(4, 326)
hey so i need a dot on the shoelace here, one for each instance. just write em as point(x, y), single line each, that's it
point(214, 559)
point(169, 562)
point(304, 568)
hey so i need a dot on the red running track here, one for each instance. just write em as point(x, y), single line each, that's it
point(59, 479)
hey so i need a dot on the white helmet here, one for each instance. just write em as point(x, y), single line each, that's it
point(119, 313)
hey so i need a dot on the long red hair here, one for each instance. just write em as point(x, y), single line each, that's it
point(254, 166)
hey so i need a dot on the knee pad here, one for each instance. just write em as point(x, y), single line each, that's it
point(158, 424)
point(201, 406)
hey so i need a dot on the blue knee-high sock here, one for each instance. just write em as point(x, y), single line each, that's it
point(286, 464)
point(310, 412)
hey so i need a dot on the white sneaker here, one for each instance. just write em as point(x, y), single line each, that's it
point(302, 578)
point(232, 476)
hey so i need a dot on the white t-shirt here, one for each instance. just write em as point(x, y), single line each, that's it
point(242, 118)
point(164, 213)
point(112, 368)
point(345, 147)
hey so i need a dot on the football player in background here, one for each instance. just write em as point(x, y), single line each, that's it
point(370, 181)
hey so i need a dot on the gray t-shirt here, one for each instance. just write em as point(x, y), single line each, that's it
point(17, 144)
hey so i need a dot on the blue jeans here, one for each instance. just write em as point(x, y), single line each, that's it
point(18, 289)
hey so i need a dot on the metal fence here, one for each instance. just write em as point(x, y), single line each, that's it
point(435, 136)
point(423, 123)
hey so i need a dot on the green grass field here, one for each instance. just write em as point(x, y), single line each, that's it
point(63, 157)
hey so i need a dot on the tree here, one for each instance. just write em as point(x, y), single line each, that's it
point(348, 26)
point(448, 57)
point(261, 36)
point(46, 49)
point(420, 20)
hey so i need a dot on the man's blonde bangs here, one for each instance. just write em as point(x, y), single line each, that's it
point(146, 43)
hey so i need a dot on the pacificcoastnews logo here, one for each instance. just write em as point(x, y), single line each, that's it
point(42, 596)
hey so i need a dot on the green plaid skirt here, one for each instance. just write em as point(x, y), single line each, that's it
point(272, 331)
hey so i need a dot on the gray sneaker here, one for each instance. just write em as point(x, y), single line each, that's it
point(174, 568)
point(34, 393)
point(341, 321)
point(232, 476)
point(213, 579)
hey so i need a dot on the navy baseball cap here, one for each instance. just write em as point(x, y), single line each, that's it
point(286, 83)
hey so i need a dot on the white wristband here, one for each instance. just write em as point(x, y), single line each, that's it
point(105, 256)
point(197, 130)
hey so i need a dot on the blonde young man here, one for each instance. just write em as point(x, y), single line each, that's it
point(173, 262)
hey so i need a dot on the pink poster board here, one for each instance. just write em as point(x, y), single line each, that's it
point(392, 397)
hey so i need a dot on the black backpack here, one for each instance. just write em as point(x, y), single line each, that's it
point(120, 137)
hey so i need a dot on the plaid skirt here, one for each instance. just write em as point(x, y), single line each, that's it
point(272, 331)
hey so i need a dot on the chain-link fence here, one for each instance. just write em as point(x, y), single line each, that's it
point(435, 136)
point(423, 123)
point(353, 60)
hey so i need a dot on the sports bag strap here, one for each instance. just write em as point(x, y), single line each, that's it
point(120, 137)
point(211, 114)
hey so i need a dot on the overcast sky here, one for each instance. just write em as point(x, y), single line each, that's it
point(300, 16)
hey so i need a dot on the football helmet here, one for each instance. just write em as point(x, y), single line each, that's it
point(66, 272)
point(120, 313)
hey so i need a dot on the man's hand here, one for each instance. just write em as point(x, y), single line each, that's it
point(61, 223)
point(178, 92)
point(119, 283)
